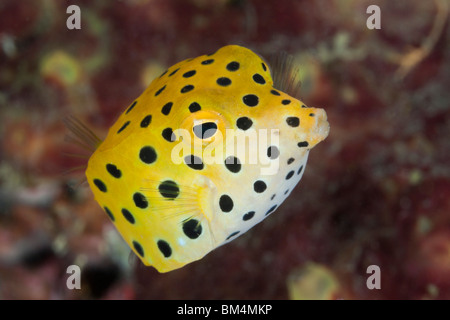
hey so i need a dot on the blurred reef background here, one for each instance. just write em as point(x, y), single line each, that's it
point(376, 191)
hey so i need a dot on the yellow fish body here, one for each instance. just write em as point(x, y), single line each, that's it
point(208, 150)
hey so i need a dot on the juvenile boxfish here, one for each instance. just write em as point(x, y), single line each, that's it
point(212, 147)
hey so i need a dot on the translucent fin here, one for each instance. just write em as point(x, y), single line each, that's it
point(74, 169)
point(78, 184)
point(183, 203)
point(189, 202)
point(134, 262)
point(285, 73)
point(83, 136)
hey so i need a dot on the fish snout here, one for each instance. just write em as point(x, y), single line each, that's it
point(320, 127)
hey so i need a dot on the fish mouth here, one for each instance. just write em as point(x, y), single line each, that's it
point(321, 128)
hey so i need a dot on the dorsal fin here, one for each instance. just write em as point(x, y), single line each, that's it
point(83, 136)
point(285, 73)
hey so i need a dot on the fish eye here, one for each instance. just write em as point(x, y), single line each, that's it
point(205, 130)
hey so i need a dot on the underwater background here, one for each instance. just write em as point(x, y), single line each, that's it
point(376, 192)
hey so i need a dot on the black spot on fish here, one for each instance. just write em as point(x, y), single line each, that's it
point(233, 164)
point(166, 108)
point(109, 213)
point(113, 170)
point(173, 72)
point(233, 66)
point(169, 189)
point(232, 235)
point(289, 175)
point(259, 186)
point(140, 201)
point(187, 88)
point(168, 134)
point(128, 216)
point(131, 107)
point(146, 121)
point(248, 215)
point(209, 61)
point(271, 210)
point(226, 203)
point(194, 107)
point(159, 91)
point(192, 228)
point(244, 123)
point(165, 248)
point(205, 130)
point(274, 92)
point(100, 185)
point(194, 162)
point(189, 74)
point(137, 246)
point(273, 152)
point(223, 81)
point(258, 78)
point(147, 154)
point(123, 127)
point(293, 121)
point(250, 100)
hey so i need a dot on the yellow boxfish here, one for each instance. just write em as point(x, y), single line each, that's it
point(210, 148)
